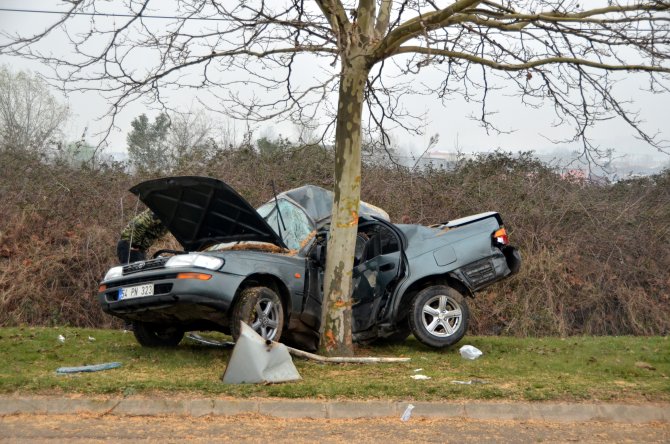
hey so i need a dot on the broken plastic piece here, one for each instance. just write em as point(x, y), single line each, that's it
point(420, 377)
point(469, 352)
point(254, 361)
point(407, 413)
point(88, 368)
point(470, 382)
point(61, 339)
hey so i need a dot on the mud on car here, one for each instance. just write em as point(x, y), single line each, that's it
point(265, 267)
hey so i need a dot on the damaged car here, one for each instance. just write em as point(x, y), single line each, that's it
point(265, 267)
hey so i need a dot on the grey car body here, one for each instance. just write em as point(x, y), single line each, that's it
point(406, 278)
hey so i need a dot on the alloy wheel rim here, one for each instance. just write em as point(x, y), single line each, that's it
point(441, 316)
point(266, 318)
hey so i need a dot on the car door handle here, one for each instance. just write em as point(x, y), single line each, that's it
point(387, 267)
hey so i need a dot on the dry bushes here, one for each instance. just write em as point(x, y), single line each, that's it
point(57, 238)
point(596, 259)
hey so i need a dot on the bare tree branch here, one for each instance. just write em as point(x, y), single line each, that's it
point(527, 65)
point(383, 18)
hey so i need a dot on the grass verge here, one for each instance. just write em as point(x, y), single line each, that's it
point(631, 369)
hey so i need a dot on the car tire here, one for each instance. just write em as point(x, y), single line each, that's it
point(261, 309)
point(156, 335)
point(439, 316)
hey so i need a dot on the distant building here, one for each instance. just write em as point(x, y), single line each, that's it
point(567, 163)
point(78, 153)
point(435, 158)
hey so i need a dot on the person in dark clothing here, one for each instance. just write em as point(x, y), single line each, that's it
point(136, 238)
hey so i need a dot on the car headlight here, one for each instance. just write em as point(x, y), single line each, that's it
point(114, 273)
point(195, 260)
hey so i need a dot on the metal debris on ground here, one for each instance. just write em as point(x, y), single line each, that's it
point(208, 341)
point(88, 368)
point(470, 382)
point(256, 360)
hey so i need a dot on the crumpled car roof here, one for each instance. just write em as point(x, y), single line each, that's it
point(318, 204)
point(201, 211)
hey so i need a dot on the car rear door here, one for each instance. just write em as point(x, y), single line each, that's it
point(377, 268)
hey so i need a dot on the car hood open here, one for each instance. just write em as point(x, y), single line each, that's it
point(200, 211)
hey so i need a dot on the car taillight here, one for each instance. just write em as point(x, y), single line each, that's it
point(500, 236)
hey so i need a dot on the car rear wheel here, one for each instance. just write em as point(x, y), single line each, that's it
point(261, 309)
point(155, 335)
point(439, 316)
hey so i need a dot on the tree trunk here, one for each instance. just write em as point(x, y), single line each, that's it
point(336, 338)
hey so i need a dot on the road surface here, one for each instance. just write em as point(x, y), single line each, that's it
point(258, 428)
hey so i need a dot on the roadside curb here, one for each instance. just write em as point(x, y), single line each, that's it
point(345, 409)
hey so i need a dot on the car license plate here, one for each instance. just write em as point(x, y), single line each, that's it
point(137, 291)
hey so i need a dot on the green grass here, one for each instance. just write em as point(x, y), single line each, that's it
point(571, 369)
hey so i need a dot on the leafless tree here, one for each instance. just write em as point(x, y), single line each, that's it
point(286, 59)
point(30, 116)
point(190, 139)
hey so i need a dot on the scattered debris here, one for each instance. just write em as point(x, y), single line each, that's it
point(257, 360)
point(469, 352)
point(88, 368)
point(470, 382)
point(344, 359)
point(207, 341)
point(407, 413)
point(61, 339)
point(420, 377)
point(417, 370)
point(91, 339)
point(303, 354)
point(644, 365)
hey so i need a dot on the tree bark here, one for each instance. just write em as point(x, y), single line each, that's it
point(336, 336)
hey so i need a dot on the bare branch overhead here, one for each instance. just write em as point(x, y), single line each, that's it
point(281, 59)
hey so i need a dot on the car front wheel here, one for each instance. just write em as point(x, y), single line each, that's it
point(154, 335)
point(261, 309)
point(439, 316)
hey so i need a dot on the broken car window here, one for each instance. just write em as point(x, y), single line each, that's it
point(296, 226)
point(379, 240)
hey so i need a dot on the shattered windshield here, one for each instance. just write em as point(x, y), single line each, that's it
point(296, 227)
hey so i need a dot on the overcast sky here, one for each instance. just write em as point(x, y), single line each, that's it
point(530, 128)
